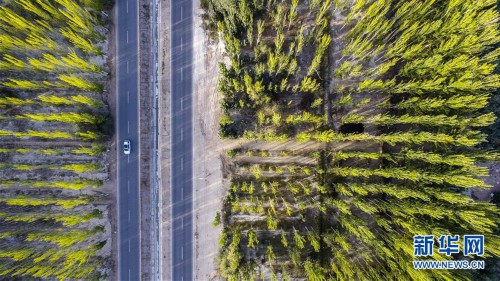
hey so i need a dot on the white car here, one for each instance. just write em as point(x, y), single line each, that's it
point(126, 147)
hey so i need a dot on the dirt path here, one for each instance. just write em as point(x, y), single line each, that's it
point(208, 182)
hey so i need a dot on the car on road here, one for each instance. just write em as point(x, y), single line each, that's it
point(126, 147)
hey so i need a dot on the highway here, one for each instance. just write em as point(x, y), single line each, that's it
point(127, 127)
point(181, 53)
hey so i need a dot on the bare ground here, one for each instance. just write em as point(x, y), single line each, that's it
point(209, 185)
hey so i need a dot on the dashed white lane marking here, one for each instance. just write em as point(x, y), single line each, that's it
point(127, 36)
point(128, 97)
point(127, 66)
point(182, 134)
point(128, 127)
point(127, 7)
point(129, 246)
point(182, 164)
point(182, 197)
point(182, 253)
point(128, 186)
point(129, 215)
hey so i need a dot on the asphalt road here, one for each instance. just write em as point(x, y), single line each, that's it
point(182, 139)
point(127, 125)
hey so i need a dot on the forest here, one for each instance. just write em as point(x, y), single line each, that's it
point(54, 138)
point(365, 124)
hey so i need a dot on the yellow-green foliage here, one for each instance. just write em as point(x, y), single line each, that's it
point(53, 99)
point(69, 219)
point(88, 135)
point(87, 101)
point(13, 101)
point(78, 82)
point(80, 168)
point(17, 255)
point(37, 134)
point(22, 84)
point(66, 117)
point(74, 185)
point(30, 201)
point(95, 149)
point(60, 263)
point(46, 151)
point(62, 238)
